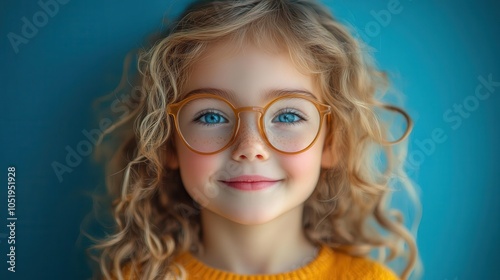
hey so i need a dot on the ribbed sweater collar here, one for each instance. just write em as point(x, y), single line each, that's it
point(319, 266)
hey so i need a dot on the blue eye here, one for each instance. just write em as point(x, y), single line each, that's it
point(211, 118)
point(288, 118)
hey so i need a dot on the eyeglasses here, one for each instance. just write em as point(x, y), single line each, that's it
point(208, 123)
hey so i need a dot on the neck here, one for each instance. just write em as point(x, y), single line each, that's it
point(274, 247)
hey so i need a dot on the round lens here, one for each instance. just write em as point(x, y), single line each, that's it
point(291, 124)
point(206, 124)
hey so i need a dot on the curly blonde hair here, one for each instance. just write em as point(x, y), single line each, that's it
point(156, 220)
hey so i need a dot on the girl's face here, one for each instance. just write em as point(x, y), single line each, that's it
point(280, 182)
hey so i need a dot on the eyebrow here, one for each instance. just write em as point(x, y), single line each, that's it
point(269, 94)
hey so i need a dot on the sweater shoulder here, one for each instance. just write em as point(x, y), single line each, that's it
point(361, 268)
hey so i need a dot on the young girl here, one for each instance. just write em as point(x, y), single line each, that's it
point(254, 150)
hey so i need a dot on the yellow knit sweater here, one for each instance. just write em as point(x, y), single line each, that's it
point(327, 265)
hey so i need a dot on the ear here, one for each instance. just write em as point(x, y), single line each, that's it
point(171, 159)
point(329, 156)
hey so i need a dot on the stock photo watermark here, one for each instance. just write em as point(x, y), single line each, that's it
point(30, 26)
point(202, 199)
point(84, 148)
point(380, 19)
point(454, 117)
point(11, 220)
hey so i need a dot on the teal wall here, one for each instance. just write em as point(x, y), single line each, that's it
point(441, 54)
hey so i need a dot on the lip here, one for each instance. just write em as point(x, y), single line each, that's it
point(250, 182)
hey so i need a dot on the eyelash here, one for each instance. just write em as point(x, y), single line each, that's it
point(295, 112)
point(205, 112)
point(301, 116)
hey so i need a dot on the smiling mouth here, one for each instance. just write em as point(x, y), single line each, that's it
point(250, 183)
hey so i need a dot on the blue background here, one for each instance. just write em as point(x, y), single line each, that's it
point(434, 53)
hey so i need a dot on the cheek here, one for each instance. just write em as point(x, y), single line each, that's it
point(196, 171)
point(195, 168)
point(191, 163)
point(303, 167)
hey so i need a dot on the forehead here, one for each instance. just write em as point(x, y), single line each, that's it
point(247, 70)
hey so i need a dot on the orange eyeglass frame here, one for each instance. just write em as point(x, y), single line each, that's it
point(173, 109)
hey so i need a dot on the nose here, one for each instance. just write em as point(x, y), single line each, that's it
point(249, 144)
